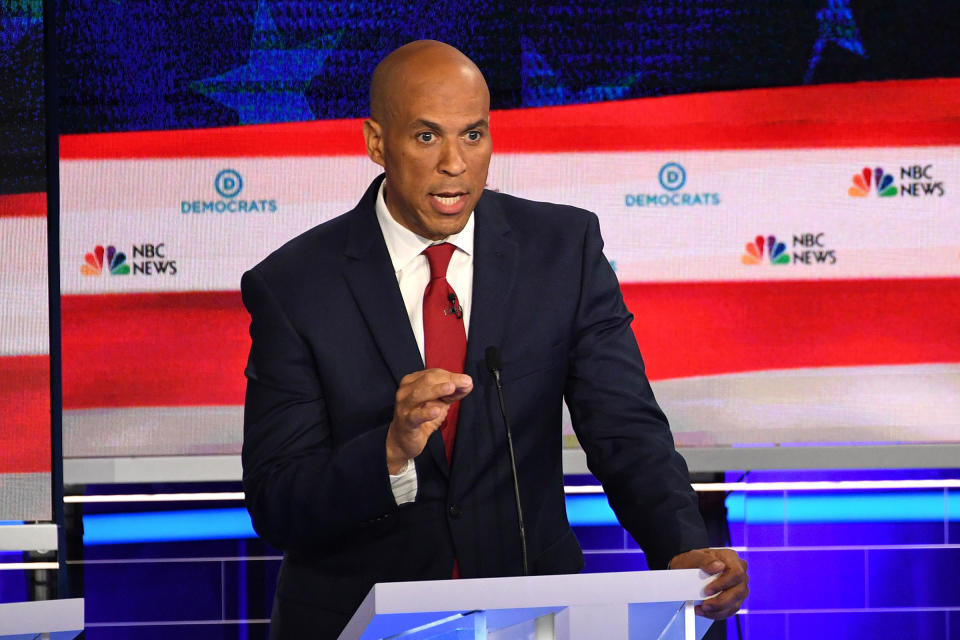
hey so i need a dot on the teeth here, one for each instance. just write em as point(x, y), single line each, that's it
point(447, 201)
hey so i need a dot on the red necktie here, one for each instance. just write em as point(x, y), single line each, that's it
point(444, 338)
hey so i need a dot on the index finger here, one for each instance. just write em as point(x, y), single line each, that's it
point(463, 385)
point(438, 384)
point(732, 576)
point(734, 573)
point(425, 391)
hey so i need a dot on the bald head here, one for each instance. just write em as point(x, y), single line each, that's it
point(429, 128)
point(406, 70)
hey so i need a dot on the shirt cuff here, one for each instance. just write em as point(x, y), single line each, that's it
point(404, 484)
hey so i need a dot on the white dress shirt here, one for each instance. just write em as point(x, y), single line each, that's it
point(413, 273)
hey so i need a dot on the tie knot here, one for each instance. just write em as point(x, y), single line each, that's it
point(438, 255)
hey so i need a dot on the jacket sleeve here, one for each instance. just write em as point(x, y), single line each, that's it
point(301, 489)
point(620, 426)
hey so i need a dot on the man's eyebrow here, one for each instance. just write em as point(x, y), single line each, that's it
point(429, 124)
point(479, 124)
point(420, 122)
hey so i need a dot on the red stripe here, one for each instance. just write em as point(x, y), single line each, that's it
point(25, 418)
point(190, 349)
point(880, 114)
point(153, 349)
point(23, 205)
point(318, 138)
point(694, 329)
point(864, 114)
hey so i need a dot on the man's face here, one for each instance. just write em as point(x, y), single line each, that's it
point(434, 144)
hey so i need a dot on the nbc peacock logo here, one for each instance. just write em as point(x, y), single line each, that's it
point(883, 182)
point(775, 251)
point(116, 262)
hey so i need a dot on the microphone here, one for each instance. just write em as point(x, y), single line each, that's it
point(495, 365)
point(455, 307)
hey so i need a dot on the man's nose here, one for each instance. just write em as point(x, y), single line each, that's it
point(451, 159)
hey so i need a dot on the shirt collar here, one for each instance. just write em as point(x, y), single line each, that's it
point(404, 246)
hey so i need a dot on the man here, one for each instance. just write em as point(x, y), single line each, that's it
point(366, 465)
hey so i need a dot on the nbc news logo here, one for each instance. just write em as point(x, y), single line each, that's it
point(808, 249)
point(149, 259)
point(915, 181)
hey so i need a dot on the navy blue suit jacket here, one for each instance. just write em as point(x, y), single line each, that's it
point(331, 341)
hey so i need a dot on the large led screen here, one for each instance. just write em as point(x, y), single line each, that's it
point(776, 185)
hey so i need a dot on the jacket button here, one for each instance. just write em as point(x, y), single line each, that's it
point(455, 511)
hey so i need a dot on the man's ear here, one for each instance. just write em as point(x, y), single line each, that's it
point(373, 135)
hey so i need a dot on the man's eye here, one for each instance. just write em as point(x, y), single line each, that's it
point(473, 136)
point(426, 136)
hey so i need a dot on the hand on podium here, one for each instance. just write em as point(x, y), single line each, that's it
point(730, 585)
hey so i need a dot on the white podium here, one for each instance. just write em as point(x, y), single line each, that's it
point(631, 605)
point(44, 619)
point(41, 619)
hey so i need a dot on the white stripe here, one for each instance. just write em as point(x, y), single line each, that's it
point(156, 497)
point(28, 537)
point(24, 321)
point(847, 547)
point(175, 623)
point(771, 192)
point(154, 431)
point(846, 409)
point(842, 405)
point(25, 496)
point(30, 566)
point(870, 610)
point(702, 487)
point(840, 485)
point(176, 560)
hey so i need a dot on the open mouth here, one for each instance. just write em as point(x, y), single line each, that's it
point(448, 199)
point(449, 202)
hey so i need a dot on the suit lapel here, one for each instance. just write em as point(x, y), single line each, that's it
point(373, 283)
point(369, 274)
point(494, 272)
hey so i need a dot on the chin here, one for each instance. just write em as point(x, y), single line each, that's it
point(440, 227)
point(450, 227)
